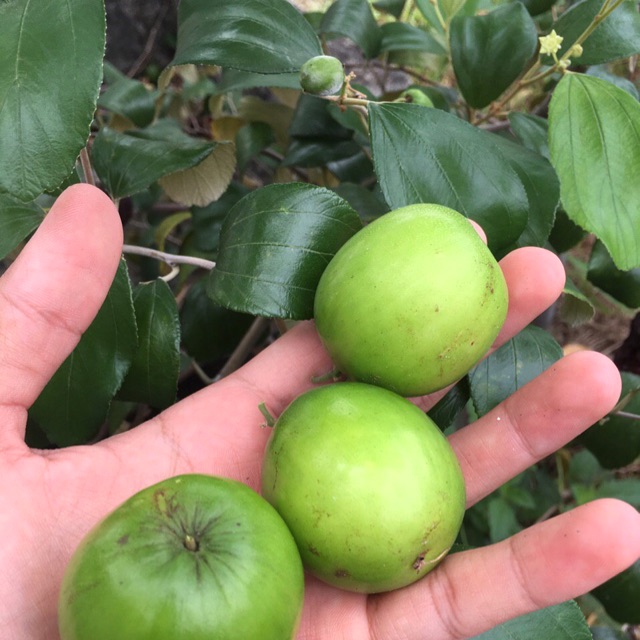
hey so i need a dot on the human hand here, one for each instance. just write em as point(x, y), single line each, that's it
point(50, 499)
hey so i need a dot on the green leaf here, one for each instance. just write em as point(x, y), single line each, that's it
point(559, 622)
point(262, 36)
point(603, 73)
point(594, 141)
point(615, 440)
point(627, 489)
point(502, 520)
point(446, 411)
point(131, 99)
point(427, 10)
point(234, 80)
point(624, 286)
point(532, 131)
point(565, 233)
point(17, 221)
point(129, 162)
point(274, 246)
point(427, 155)
point(50, 75)
point(251, 139)
point(617, 37)
point(536, 7)
point(490, 51)
point(543, 190)
point(512, 366)
point(74, 404)
point(620, 595)
point(368, 204)
point(393, 7)
point(400, 36)
point(575, 307)
point(353, 19)
point(209, 331)
point(153, 376)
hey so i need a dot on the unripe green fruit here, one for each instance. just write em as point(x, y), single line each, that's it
point(368, 485)
point(411, 302)
point(415, 96)
point(322, 75)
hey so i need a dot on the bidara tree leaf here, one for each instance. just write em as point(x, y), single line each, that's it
point(274, 245)
point(594, 143)
point(560, 622)
point(129, 162)
point(205, 182)
point(511, 366)
point(490, 51)
point(17, 221)
point(262, 36)
point(50, 75)
point(354, 20)
point(427, 155)
point(75, 402)
point(153, 375)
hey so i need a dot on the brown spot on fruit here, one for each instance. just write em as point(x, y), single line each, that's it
point(342, 573)
point(419, 562)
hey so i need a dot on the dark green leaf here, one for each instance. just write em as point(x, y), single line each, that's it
point(355, 168)
point(446, 411)
point(620, 595)
point(615, 440)
point(313, 119)
point(262, 36)
point(354, 20)
point(532, 131)
point(394, 7)
point(368, 204)
point(274, 246)
point(50, 74)
point(17, 221)
point(627, 489)
point(510, 367)
point(400, 36)
point(153, 376)
point(543, 190)
point(209, 331)
point(624, 286)
point(131, 99)
point(129, 162)
point(608, 633)
point(575, 307)
point(427, 155)
point(318, 153)
point(617, 37)
point(490, 51)
point(536, 7)
point(594, 140)
point(250, 141)
point(565, 233)
point(426, 8)
point(560, 622)
point(234, 79)
point(74, 404)
point(502, 520)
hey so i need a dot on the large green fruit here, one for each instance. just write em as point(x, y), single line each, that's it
point(192, 557)
point(368, 485)
point(412, 301)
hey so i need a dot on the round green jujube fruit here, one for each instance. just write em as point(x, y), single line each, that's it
point(193, 557)
point(415, 96)
point(412, 301)
point(368, 485)
point(322, 75)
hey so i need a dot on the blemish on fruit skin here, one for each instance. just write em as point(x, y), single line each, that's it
point(124, 539)
point(419, 562)
point(313, 550)
point(342, 573)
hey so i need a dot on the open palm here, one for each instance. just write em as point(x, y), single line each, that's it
point(50, 499)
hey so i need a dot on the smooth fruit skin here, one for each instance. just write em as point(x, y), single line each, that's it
point(192, 557)
point(412, 301)
point(368, 485)
point(322, 75)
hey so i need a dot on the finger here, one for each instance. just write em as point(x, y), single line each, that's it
point(52, 291)
point(535, 278)
point(535, 421)
point(473, 591)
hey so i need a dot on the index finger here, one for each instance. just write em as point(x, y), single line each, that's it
point(50, 295)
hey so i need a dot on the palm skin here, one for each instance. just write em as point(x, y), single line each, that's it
point(49, 500)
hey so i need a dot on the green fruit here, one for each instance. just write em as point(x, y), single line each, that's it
point(368, 485)
point(322, 75)
point(412, 301)
point(415, 96)
point(191, 557)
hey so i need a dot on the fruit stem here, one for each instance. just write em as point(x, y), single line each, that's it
point(190, 542)
point(270, 421)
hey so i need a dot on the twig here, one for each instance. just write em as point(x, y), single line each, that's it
point(86, 167)
point(169, 258)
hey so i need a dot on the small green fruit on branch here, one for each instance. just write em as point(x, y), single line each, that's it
point(322, 75)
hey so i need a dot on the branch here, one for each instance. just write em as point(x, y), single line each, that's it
point(169, 258)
